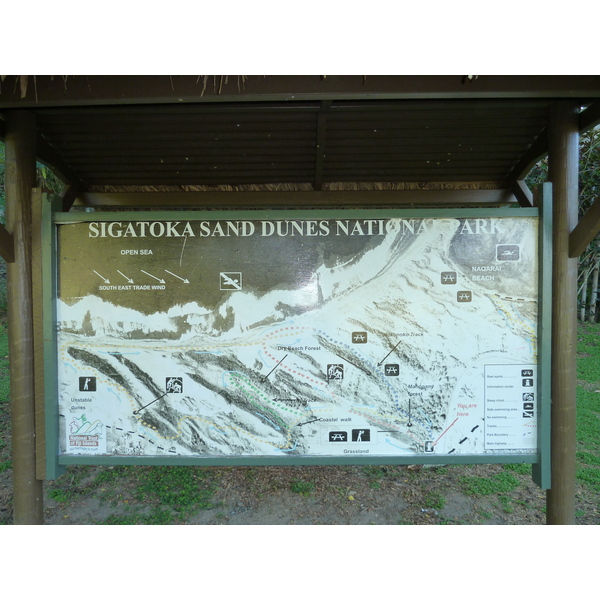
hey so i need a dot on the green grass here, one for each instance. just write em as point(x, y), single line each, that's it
point(375, 471)
point(589, 476)
point(588, 407)
point(179, 488)
point(499, 483)
point(4, 380)
point(61, 495)
point(113, 474)
point(588, 422)
point(304, 488)
point(5, 450)
point(523, 469)
point(147, 495)
point(434, 500)
point(587, 458)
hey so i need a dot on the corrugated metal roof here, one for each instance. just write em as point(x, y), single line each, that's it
point(293, 142)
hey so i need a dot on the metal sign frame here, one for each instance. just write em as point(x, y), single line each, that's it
point(53, 220)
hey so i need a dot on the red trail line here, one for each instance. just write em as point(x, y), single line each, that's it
point(444, 432)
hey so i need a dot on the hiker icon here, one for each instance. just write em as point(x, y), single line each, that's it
point(361, 435)
point(87, 384)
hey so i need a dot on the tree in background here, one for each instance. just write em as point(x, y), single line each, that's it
point(589, 190)
point(2, 170)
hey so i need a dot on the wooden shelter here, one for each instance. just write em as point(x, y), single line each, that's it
point(293, 141)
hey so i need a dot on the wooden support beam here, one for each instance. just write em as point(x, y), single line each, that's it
point(522, 193)
point(143, 89)
point(563, 170)
point(38, 331)
point(53, 160)
point(20, 180)
point(529, 159)
point(69, 195)
point(320, 144)
point(590, 117)
point(586, 230)
point(7, 245)
point(307, 199)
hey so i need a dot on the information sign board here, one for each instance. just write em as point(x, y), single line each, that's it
point(331, 336)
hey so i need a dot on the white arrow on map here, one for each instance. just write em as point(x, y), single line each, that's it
point(157, 279)
point(182, 279)
point(104, 278)
point(129, 280)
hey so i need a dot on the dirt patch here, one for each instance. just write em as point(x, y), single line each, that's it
point(327, 495)
point(306, 495)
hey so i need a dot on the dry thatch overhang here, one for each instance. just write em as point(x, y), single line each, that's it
point(295, 133)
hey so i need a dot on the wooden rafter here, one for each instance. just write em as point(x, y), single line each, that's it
point(522, 193)
point(586, 230)
point(312, 199)
point(108, 89)
point(7, 247)
point(529, 159)
point(69, 195)
point(320, 144)
point(590, 117)
point(48, 155)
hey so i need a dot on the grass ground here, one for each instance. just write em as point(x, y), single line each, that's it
point(5, 462)
point(588, 409)
point(471, 494)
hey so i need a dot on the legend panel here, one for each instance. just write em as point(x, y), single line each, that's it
point(510, 407)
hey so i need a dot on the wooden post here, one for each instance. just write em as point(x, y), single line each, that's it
point(20, 179)
point(563, 141)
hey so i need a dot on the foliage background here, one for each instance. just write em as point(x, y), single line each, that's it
point(589, 190)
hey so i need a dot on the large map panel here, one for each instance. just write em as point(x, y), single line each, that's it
point(320, 336)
